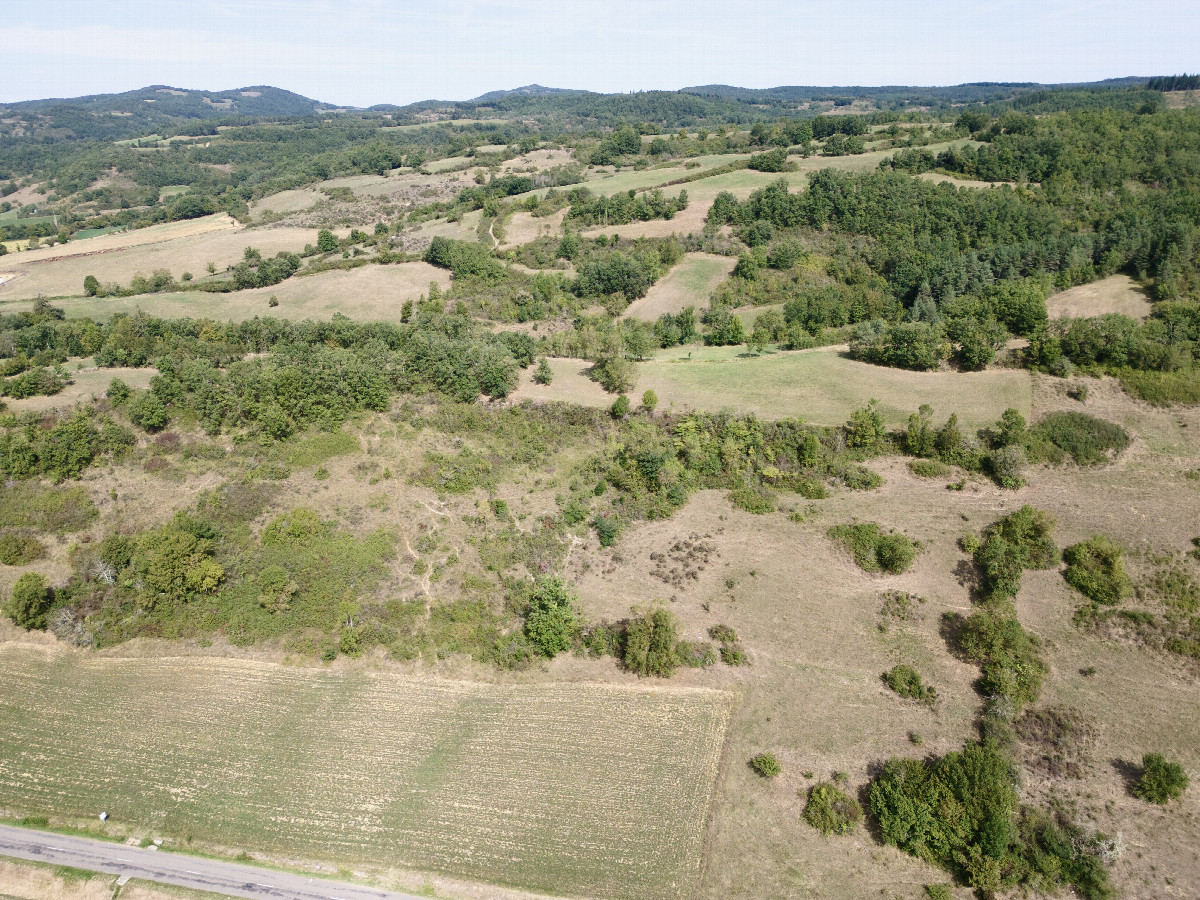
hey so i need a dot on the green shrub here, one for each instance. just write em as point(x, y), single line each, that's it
point(733, 655)
point(19, 549)
point(1095, 569)
point(766, 765)
point(1009, 656)
point(1161, 780)
point(928, 468)
point(874, 551)
point(753, 499)
point(550, 622)
point(1086, 439)
point(1164, 388)
point(31, 598)
point(906, 682)
point(607, 529)
point(696, 654)
point(1010, 545)
point(830, 810)
point(723, 633)
point(938, 892)
point(650, 643)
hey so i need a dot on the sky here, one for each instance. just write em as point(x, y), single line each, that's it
point(362, 52)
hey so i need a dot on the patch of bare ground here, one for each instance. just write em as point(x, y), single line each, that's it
point(524, 227)
point(1115, 294)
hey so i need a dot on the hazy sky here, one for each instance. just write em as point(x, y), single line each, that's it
point(360, 52)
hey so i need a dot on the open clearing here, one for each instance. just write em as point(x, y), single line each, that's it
point(369, 293)
point(1115, 294)
point(819, 386)
point(53, 277)
point(86, 384)
point(576, 788)
point(688, 284)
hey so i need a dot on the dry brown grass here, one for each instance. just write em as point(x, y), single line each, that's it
point(1115, 294)
point(86, 385)
point(371, 293)
point(1181, 99)
point(177, 253)
point(688, 284)
point(32, 881)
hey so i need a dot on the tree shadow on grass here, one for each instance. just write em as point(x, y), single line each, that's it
point(1130, 773)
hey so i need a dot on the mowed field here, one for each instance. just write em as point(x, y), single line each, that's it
point(819, 386)
point(113, 259)
point(583, 789)
point(688, 284)
point(368, 293)
point(1115, 294)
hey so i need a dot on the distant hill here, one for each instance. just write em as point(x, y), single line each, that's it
point(113, 116)
point(529, 90)
point(973, 92)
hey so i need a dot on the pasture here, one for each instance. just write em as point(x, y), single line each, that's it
point(1115, 294)
point(689, 283)
point(59, 271)
point(571, 788)
point(371, 293)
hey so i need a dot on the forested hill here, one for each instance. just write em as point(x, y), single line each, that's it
point(113, 116)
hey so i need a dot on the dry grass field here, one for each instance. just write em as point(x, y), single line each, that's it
point(86, 385)
point(689, 283)
point(372, 292)
point(1115, 294)
point(576, 788)
point(23, 880)
point(49, 276)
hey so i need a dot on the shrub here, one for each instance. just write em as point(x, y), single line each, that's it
point(929, 468)
point(1095, 569)
point(650, 644)
point(620, 407)
point(607, 529)
point(147, 411)
point(31, 598)
point(543, 374)
point(938, 892)
point(1019, 541)
point(830, 810)
point(1085, 438)
point(874, 551)
point(1161, 781)
point(753, 499)
point(906, 682)
point(19, 549)
point(733, 655)
point(1009, 656)
point(696, 654)
point(550, 622)
point(766, 765)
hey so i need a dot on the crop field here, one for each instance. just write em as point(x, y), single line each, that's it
point(689, 283)
point(571, 788)
point(374, 293)
point(1115, 294)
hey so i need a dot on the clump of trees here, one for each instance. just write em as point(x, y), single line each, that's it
point(620, 209)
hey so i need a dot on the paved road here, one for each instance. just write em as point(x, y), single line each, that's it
point(196, 872)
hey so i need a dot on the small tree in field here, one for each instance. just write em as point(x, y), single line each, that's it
point(327, 242)
point(1162, 780)
point(543, 374)
point(649, 401)
point(550, 623)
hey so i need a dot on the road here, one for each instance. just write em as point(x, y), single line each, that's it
point(214, 875)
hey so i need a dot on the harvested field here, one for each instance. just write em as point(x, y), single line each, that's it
point(177, 253)
point(688, 284)
point(576, 788)
point(369, 293)
point(1115, 294)
point(118, 241)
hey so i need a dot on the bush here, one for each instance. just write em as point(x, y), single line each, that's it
point(148, 411)
point(1019, 541)
point(1009, 656)
point(906, 682)
point(874, 551)
point(1161, 781)
point(650, 644)
point(1085, 438)
point(696, 654)
point(938, 892)
point(1095, 569)
point(929, 468)
point(830, 810)
point(766, 765)
point(550, 622)
point(19, 549)
point(31, 598)
point(753, 499)
point(620, 407)
point(118, 392)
